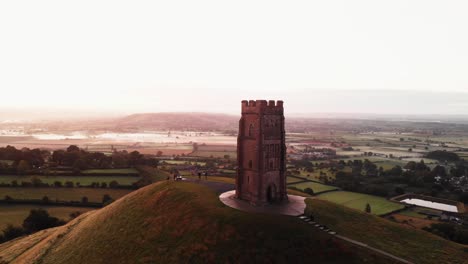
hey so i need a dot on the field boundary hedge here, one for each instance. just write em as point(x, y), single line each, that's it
point(51, 203)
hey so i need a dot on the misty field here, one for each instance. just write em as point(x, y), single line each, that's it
point(379, 205)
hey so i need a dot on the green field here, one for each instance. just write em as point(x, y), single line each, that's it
point(411, 244)
point(415, 212)
point(6, 162)
point(61, 194)
point(214, 154)
point(379, 205)
point(111, 171)
point(291, 179)
point(230, 180)
point(316, 174)
point(83, 180)
point(316, 187)
point(182, 162)
point(15, 214)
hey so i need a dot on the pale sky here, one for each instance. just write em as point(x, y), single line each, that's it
point(399, 57)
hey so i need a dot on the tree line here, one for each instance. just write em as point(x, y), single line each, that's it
point(37, 161)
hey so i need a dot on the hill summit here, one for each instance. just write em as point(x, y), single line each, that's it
point(175, 222)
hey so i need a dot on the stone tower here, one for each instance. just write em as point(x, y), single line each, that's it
point(261, 152)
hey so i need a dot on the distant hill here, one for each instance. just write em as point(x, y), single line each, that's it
point(175, 222)
point(179, 121)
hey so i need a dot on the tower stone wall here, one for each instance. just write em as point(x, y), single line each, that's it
point(261, 152)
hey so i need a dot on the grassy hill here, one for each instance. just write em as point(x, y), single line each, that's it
point(414, 245)
point(175, 222)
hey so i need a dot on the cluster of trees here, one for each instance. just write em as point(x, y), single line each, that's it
point(22, 160)
point(37, 182)
point(456, 233)
point(106, 199)
point(38, 219)
point(80, 159)
point(443, 155)
point(26, 160)
point(366, 177)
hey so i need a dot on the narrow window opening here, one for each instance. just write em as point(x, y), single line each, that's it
point(251, 128)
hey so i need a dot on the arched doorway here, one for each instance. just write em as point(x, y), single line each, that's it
point(271, 193)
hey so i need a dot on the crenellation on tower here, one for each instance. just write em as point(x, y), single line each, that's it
point(257, 106)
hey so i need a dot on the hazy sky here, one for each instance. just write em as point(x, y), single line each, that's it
point(319, 56)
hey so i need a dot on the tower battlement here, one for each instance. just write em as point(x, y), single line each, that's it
point(262, 106)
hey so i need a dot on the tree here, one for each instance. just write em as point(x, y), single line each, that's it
point(114, 184)
point(439, 171)
point(463, 198)
point(119, 160)
point(36, 182)
point(73, 148)
point(79, 165)
point(40, 219)
point(309, 191)
point(399, 190)
point(368, 208)
point(159, 153)
point(14, 183)
point(106, 199)
point(11, 232)
point(69, 184)
point(45, 199)
point(23, 167)
point(443, 155)
point(57, 183)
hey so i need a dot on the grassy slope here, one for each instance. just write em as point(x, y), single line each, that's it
point(415, 245)
point(379, 205)
point(153, 174)
point(175, 222)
